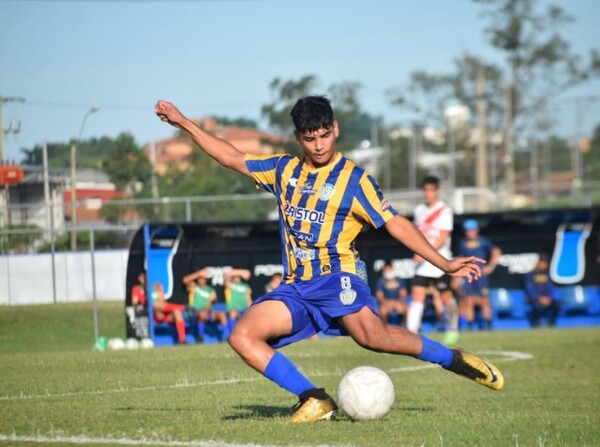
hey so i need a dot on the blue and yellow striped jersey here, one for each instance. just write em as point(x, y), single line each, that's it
point(321, 212)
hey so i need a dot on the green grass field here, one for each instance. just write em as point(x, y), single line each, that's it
point(55, 391)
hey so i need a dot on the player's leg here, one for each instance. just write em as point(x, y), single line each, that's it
point(370, 332)
point(451, 306)
point(174, 315)
point(414, 316)
point(486, 310)
point(385, 310)
point(265, 321)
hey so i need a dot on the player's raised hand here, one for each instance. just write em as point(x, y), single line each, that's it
point(467, 267)
point(168, 113)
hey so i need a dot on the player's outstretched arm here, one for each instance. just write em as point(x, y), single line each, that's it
point(404, 231)
point(222, 151)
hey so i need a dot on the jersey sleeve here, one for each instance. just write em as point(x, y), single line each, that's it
point(263, 169)
point(370, 205)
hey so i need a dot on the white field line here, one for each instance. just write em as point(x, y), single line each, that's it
point(503, 356)
point(90, 440)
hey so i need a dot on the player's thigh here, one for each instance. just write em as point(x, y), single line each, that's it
point(418, 294)
point(265, 320)
point(364, 326)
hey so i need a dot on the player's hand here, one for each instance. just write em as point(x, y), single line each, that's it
point(418, 259)
point(465, 267)
point(168, 113)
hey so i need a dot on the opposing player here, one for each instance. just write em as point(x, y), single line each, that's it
point(324, 200)
point(434, 219)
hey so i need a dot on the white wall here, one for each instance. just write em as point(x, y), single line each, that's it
point(27, 279)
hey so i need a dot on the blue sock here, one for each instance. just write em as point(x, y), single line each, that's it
point(435, 352)
point(284, 373)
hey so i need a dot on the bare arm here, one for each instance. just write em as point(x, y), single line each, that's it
point(222, 151)
point(493, 262)
point(408, 234)
point(193, 276)
point(244, 273)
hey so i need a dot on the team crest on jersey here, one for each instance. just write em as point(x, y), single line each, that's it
point(293, 181)
point(327, 191)
point(348, 296)
point(384, 205)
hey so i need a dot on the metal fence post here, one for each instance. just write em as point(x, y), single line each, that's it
point(94, 295)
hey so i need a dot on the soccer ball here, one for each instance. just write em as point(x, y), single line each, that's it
point(366, 393)
point(116, 344)
point(132, 343)
point(146, 343)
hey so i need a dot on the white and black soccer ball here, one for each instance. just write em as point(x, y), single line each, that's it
point(146, 343)
point(132, 343)
point(116, 344)
point(366, 393)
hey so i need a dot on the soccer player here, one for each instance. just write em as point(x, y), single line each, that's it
point(238, 294)
point(542, 293)
point(390, 293)
point(164, 311)
point(476, 293)
point(324, 200)
point(434, 219)
point(201, 297)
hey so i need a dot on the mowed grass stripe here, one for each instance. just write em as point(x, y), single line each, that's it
point(505, 356)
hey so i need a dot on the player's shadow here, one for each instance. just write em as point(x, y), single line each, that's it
point(258, 412)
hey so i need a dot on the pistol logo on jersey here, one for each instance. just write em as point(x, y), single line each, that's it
point(299, 213)
point(327, 191)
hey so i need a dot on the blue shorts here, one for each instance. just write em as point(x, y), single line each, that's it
point(317, 304)
point(479, 287)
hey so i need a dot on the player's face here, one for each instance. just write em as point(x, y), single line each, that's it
point(319, 146)
point(472, 234)
point(431, 193)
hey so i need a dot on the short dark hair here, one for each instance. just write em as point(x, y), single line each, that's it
point(430, 180)
point(312, 113)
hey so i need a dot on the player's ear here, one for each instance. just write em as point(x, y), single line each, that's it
point(336, 128)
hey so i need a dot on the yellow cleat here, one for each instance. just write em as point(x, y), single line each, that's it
point(472, 367)
point(314, 405)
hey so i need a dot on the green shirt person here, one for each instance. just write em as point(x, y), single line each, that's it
point(238, 294)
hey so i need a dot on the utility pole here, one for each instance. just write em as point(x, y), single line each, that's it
point(4, 100)
point(481, 170)
point(509, 159)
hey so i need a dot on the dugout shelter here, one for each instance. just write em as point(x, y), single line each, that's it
point(168, 251)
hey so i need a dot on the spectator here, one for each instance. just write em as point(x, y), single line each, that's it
point(542, 294)
point(274, 282)
point(475, 294)
point(163, 310)
point(390, 293)
point(201, 299)
point(238, 294)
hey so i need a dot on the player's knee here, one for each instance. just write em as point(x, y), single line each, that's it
point(239, 339)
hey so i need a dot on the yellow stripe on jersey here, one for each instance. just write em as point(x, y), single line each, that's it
point(321, 211)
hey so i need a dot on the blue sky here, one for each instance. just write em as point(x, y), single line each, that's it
point(218, 57)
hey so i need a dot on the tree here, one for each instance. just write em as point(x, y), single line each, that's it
point(539, 61)
point(126, 164)
point(355, 123)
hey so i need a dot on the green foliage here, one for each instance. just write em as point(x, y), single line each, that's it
point(355, 124)
point(19, 242)
point(126, 163)
point(102, 240)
